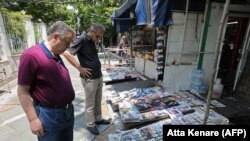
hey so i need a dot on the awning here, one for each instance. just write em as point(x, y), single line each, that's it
point(154, 12)
point(161, 13)
point(124, 8)
point(141, 13)
point(121, 20)
point(157, 13)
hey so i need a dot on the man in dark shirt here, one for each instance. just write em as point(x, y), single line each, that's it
point(90, 73)
point(44, 89)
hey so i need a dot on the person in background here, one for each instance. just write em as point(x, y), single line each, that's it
point(139, 41)
point(90, 73)
point(122, 45)
point(127, 38)
point(44, 88)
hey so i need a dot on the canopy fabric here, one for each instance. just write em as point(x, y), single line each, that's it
point(124, 7)
point(121, 20)
point(161, 13)
point(141, 13)
point(157, 13)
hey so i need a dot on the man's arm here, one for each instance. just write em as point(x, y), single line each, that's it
point(85, 71)
point(27, 105)
point(71, 59)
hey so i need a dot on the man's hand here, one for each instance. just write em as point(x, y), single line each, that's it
point(86, 72)
point(26, 102)
point(36, 127)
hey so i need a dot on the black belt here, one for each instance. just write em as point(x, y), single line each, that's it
point(35, 103)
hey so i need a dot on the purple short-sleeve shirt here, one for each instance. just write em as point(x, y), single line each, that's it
point(47, 76)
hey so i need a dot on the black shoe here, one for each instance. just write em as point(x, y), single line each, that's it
point(103, 121)
point(93, 130)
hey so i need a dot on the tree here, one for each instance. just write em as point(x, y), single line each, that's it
point(96, 11)
point(49, 11)
point(41, 11)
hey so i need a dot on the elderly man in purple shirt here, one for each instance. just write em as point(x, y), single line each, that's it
point(44, 89)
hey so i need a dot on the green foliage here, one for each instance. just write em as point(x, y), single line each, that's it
point(49, 11)
point(46, 12)
point(37, 35)
point(98, 11)
point(14, 23)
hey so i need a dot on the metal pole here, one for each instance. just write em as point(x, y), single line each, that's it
point(4, 71)
point(204, 33)
point(184, 31)
point(108, 57)
point(244, 50)
point(222, 23)
point(104, 53)
point(131, 47)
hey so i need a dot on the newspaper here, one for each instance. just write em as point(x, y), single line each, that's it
point(131, 135)
point(114, 137)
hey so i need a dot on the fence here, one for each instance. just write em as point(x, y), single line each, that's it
point(17, 43)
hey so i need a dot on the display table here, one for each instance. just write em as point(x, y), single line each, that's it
point(119, 74)
point(142, 108)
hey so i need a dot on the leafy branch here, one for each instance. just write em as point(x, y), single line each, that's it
point(14, 22)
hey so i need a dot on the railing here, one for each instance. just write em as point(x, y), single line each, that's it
point(122, 56)
point(16, 44)
point(5, 79)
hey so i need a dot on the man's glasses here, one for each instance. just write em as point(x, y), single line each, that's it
point(65, 42)
point(97, 36)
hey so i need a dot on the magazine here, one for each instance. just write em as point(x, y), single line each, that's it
point(129, 113)
point(174, 113)
point(217, 104)
point(114, 137)
point(160, 113)
point(147, 116)
point(131, 135)
point(147, 133)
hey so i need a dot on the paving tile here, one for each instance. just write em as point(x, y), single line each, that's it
point(6, 132)
point(20, 125)
point(10, 113)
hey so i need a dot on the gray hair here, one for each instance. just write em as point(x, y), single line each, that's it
point(96, 26)
point(61, 28)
